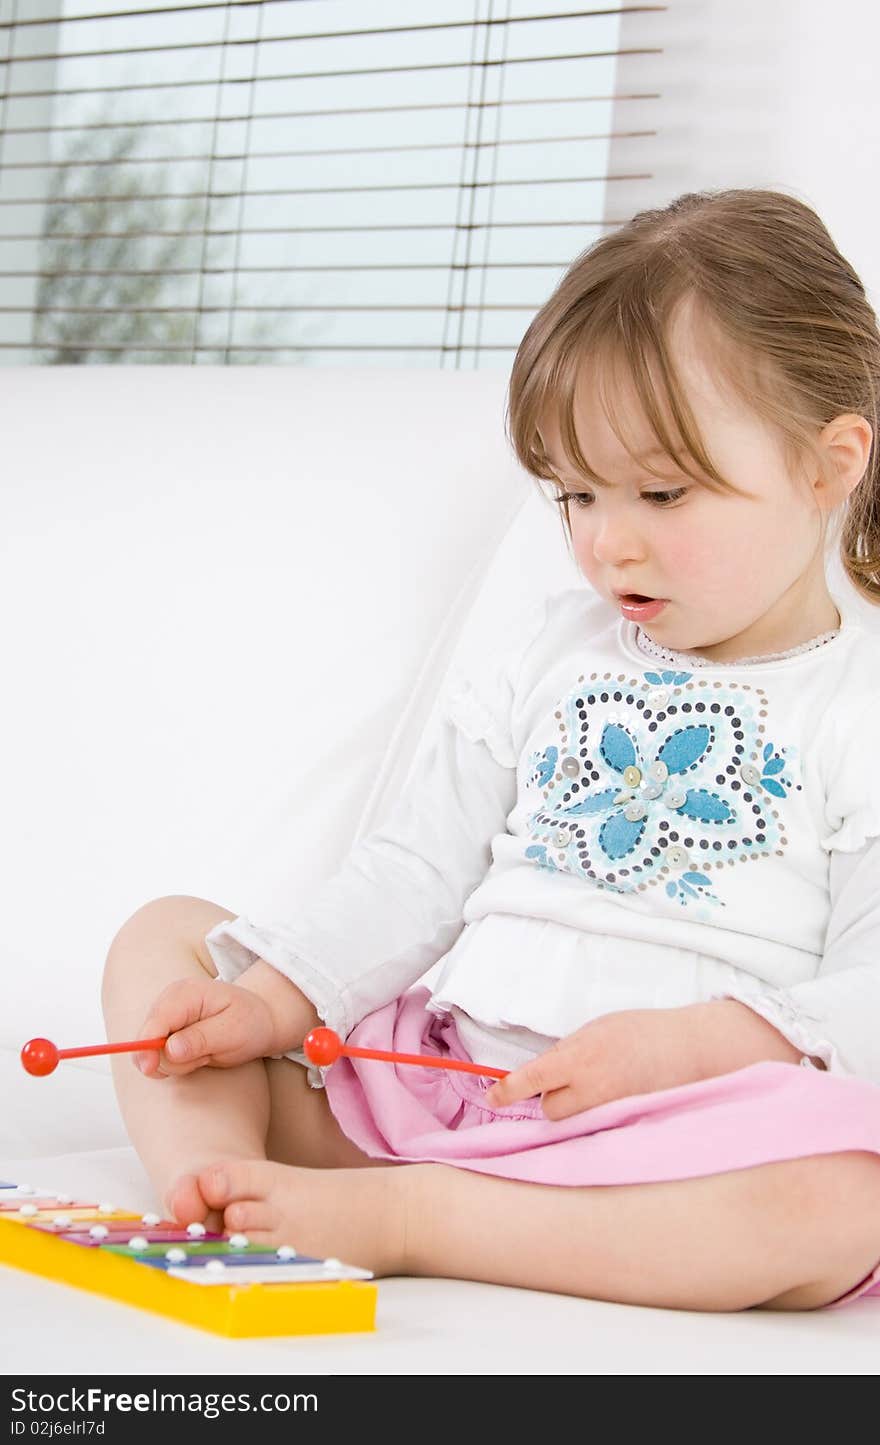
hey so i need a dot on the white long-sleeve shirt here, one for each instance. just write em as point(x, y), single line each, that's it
point(591, 827)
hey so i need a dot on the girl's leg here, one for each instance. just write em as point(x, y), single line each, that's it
point(790, 1235)
point(180, 1125)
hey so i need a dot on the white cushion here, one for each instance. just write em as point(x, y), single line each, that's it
point(222, 586)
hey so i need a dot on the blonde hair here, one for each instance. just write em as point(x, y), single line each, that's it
point(793, 334)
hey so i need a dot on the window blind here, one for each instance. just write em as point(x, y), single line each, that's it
point(314, 182)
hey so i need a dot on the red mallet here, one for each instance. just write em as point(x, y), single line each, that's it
point(324, 1046)
point(41, 1057)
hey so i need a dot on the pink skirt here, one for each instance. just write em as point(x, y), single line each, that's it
point(756, 1115)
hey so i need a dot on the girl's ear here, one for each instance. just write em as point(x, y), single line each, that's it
point(848, 441)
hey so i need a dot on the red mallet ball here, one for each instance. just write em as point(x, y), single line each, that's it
point(39, 1056)
point(321, 1046)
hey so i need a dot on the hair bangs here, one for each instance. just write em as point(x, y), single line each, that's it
point(637, 355)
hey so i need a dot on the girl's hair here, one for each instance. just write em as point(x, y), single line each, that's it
point(792, 333)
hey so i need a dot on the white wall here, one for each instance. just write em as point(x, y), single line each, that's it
point(778, 93)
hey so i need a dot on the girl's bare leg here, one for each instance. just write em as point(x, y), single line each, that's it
point(794, 1234)
point(180, 1125)
point(790, 1235)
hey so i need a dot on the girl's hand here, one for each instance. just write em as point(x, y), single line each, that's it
point(207, 1022)
point(633, 1051)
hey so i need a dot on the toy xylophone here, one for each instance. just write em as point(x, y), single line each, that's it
point(219, 1282)
point(215, 1281)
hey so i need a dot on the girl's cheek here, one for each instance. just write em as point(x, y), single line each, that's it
point(693, 553)
point(689, 550)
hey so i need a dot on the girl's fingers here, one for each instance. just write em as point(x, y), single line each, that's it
point(220, 1038)
point(192, 1045)
point(548, 1071)
point(175, 1015)
point(150, 1063)
point(185, 1050)
point(562, 1103)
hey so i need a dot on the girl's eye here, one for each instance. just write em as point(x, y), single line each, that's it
point(660, 499)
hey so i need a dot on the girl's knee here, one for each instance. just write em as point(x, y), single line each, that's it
point(839, 1210)
point(178, 916)
point(164, 939)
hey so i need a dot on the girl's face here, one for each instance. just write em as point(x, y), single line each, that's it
point(743, 573)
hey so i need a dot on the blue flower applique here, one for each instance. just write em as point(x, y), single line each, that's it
point(542, 765)
point(773, 763)
point(671, 791)
point(539, 853)
point(691, 885)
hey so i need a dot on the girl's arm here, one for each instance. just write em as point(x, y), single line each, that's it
point(730, 1035)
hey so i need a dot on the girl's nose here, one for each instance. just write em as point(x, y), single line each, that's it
point(617, 540)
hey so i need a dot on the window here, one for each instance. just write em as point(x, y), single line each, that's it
point(312, 182)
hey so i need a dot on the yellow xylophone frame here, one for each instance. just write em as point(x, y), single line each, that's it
point(310, 1308)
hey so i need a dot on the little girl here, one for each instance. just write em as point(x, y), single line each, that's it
point(642, 846)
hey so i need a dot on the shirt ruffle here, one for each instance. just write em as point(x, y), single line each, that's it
point(463, 707)
point(489, 975)
point(479, 699)
point(862, 824)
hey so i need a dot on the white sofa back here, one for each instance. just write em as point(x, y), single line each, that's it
point(229, 597)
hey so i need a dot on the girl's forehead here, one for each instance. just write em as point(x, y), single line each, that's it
point(599, 441)
point(613, 428)
point(609, 418)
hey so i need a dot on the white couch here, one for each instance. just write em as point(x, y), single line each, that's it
point(229, 596)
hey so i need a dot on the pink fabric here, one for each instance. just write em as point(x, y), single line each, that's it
point(752, 1116)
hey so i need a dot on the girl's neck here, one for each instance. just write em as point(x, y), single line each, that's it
point(646, 644)
point(804, 616)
